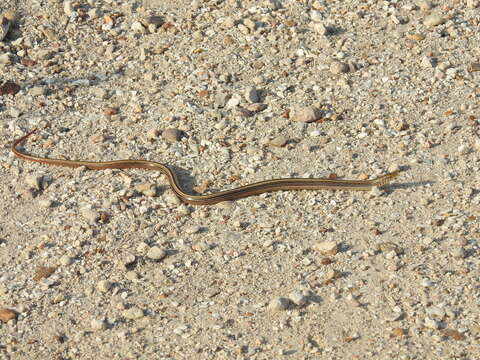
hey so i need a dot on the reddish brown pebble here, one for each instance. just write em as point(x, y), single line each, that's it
point(28, 62)
point(6, 315)
point(110, 111)
point(397, 332)
point(10, 88)
point(43, 272)
point(326, 261)
point(454, 334)
point(167, 26)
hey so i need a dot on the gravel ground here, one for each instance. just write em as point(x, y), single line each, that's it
point(110, 265)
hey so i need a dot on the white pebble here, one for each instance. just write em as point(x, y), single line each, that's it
point(433, 20)
point(319, 28)
point(104, 285)
point(90, 214)
point(233, 101)
point(45, 203)
point(97, 324)
point(156, 253)
point(279, 304)
point(67, 8)
point(133, 313)
point(33, 181)
point(432, 323)
point(66, 260)
point(472, 4)
point(459, 253)
point(316, 16)
point(137, 27)
point(298, 298)
point(435, 312)
point(427, 283)
point(192, 229)
point(327, 247)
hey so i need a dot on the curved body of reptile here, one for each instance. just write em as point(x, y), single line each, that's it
point(208, 199)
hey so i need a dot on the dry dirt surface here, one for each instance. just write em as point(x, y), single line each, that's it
point(111, 265)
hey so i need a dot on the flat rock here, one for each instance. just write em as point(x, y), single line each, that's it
point(171, 134)
point(6, 315)
point(305, 114)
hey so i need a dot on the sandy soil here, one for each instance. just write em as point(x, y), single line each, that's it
point(110, 265)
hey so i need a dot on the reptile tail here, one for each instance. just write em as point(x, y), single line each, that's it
point(384, 180)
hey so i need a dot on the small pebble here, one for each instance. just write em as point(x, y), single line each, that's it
point(472, 4)
point(33, 181)
point(251, 94)
point(327, 247)
point(279, 304)
point(6, 315)
point(192, 229)
point(15, 113)
point(132, 275)
point(97, 324)
point(316, 16)
point(156, 20)
point(256, 107)
point(454, 334)
point(66, 260)
point(427, 283)
point(147, 189)
point(389, 247)
point(233, 102)
point(172, 199)
point(338, 67)
point(129, 259)
point(416, 37)
point(459, 253)
point(152, 134)
point(6, 58)
point(43, 272)
point(67, 7)
point(425, 5)
point(138, 27)
point(433, 20)
point(332, 274)
point(171, 134)
point(432, 323)
point(320, 28)
point(250, 24)
point(398, 332)
point(298, 298)
point(221, 99)
point(5, 24)
point(279, 141)
point(94, 13)
point(91, 215)
point(37, 91)
point(156, 253)
point(104, 286)
point(305, 114)
point(435, 312)
point(45, 203)
point(133, 313)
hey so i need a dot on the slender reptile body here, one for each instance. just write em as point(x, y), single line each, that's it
point(208, 199)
